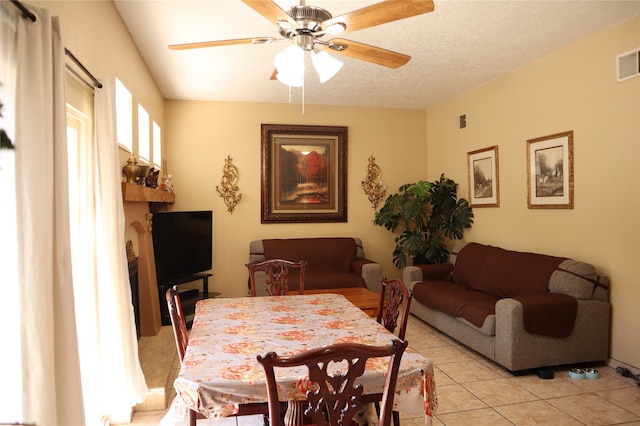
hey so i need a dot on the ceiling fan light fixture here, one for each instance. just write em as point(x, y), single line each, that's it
point(290, 79)
point(326, 65)
point(290, 66)
point(290, 60)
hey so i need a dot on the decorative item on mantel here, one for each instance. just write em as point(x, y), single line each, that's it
point(372, 185)
point(132, 169)
point(229, 188)
point(151, 179)
point(166, 184)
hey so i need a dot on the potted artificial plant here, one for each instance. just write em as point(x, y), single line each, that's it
point(428, 213)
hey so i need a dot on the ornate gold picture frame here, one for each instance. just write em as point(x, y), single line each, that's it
point(304, 173)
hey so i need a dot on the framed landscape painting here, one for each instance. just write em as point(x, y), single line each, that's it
point(304, 173)
point(484, 185)
point(550, 171)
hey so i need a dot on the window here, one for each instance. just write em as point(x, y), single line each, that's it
point(144, 154)
point(157, 147)
point(124, 117)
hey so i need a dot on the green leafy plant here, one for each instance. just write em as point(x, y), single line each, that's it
point(428, 213)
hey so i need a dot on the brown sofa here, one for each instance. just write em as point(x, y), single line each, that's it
point(333, 262)
point(522, 310)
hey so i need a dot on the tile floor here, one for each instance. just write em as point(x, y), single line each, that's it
point(475, 391)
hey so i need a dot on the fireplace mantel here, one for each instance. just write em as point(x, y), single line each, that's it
point(133, 192)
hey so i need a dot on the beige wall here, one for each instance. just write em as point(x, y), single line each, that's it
point(201, 135)
point(94, 32)
point(572, 89)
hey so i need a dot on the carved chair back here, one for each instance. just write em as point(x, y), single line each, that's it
point(333, 397)
point(277, 283)
point(398, 298)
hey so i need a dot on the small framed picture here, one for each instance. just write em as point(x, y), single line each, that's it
point(484, 185)
point(550, 171)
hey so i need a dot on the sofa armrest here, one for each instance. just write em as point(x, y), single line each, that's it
point(370, 271)
point(433, 272)
point(411, 275)
point(518, 350)
point(580, 280)
point(260, 278)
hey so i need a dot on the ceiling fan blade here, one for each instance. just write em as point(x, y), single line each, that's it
point(216, 43)
point(271, 11)
point(380, 13)
point(365, 52)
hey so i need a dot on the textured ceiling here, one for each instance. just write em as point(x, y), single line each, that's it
point(459, 46)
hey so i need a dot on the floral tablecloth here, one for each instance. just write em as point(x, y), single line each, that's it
point(220, 370)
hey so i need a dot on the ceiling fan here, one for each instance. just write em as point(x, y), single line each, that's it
point(305, 26)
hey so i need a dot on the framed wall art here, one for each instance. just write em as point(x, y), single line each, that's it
point(304, 173)
point(550, 171)
point(484, 184)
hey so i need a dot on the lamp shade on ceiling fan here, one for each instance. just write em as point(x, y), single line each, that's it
point(290, 66)
point(325, 65)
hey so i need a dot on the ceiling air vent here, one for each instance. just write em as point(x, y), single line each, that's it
point(628, 64)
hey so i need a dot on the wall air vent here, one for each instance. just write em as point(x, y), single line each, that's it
point(628, 64)
point(460, 122)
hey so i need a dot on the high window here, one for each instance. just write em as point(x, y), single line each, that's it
point(124, 117)
point(144, 154)
point(157, 147)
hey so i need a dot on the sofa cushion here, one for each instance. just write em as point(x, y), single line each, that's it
point(550, 314)
point(324, 255)
point(574, 278)
point(330, 280)
point(504, 273)
point(436, 271)
point(455, 299)
point(468, 262)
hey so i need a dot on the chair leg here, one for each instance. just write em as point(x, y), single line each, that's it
point(396, 418)
point(192, 417)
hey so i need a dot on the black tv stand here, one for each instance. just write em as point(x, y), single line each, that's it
point(188, 297)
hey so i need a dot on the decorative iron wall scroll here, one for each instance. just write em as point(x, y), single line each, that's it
point(228, 188)
point(372, 183)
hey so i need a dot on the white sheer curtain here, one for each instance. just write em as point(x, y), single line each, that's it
point(10, 356)
point(48, 346)
point(123, 379)
point(75, 359)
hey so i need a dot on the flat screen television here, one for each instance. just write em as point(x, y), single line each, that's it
point(182, 244)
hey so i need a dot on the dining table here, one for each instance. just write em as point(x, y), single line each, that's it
point(220, 375)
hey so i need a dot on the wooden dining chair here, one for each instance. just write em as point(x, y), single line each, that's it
point(399, 299)
point(179, 325)
point(277, 283)
point(178, 321)
point(333, 397)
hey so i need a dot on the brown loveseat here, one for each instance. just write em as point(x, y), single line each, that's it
point(332, 262)
point(522, 310)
